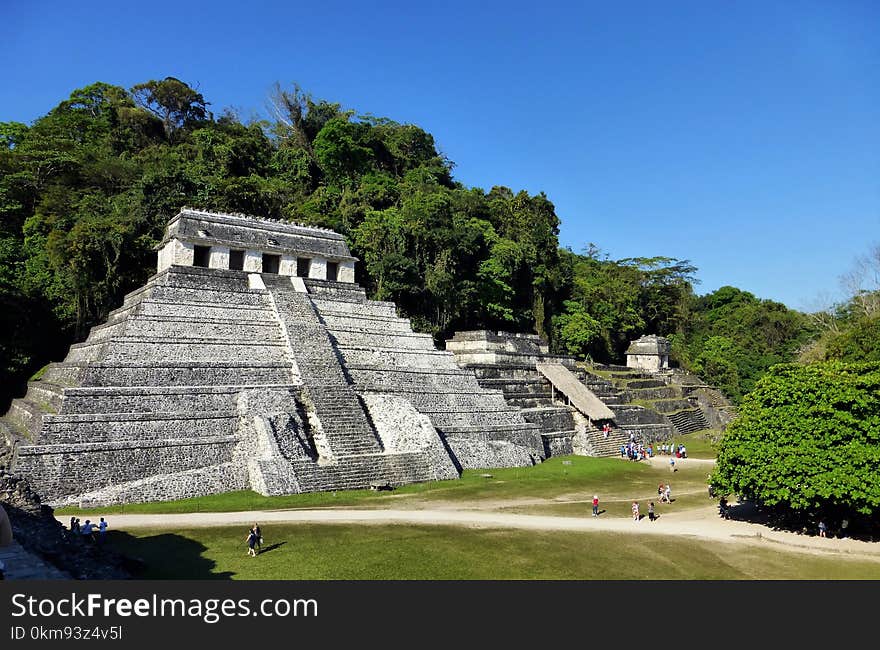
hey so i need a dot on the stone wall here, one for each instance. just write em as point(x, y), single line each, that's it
point(478, 450)
point(646, 362)
point(219, 257)
point(176, 373)
point(558, 444)
point(346, 271)
point(213, 479)
point(403, 429)
point(71, 469)
point(117, 427)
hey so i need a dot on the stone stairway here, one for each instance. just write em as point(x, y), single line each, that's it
point(325, 384)
point(381, 353)
point(601, 446)
point(668, 400)
point(689, 421)
point(523, 386)
point(362, 471)
point(358, 459)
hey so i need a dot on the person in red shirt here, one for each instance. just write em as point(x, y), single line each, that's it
point(595, 505)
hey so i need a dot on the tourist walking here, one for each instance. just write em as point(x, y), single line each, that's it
point(102, 530)
point(651, 511)
point(667, 493)
point(822, 529)
point(259, 535)
point(595, 505)
point(672, 463)
point(635, 510)
point(251, 540)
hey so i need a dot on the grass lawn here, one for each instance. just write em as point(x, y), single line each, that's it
point(613, 507)
point(699, 443)
point(571, 477)
point(366, 552)
point(561, 486)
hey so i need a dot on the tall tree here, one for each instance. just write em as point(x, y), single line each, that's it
point(172, 101)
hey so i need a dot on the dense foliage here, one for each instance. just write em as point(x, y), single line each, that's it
point(732, 338)
point(849, 331)
point(86, 190)
point(613, 302)
point(806, 443)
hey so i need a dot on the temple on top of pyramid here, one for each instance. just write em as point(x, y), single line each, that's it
point(222, 241)
point(252, 360)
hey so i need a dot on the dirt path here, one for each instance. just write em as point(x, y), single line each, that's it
point(700, 522)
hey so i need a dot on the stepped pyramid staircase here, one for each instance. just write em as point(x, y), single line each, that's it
point(381, 354)
point(633, 395)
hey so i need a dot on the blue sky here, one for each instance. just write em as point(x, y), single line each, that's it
point(742, 136)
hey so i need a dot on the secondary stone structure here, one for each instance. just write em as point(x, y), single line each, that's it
point(251, 359)
point(571, 402)
point(649, 353)
point(549, 389)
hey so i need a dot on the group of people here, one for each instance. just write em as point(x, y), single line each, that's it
point(678, 451)
point(88, 530)
point(636, 451)
point(664, 494)
point(652, 515)
point(842, 533)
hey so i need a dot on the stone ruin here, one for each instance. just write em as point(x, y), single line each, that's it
point(251, 360)
point(567, 405)
point(570, 402)
point(649, 353)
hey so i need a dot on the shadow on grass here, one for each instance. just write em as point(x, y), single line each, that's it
point(272, 547)
point(750, 512)
point(166, 557)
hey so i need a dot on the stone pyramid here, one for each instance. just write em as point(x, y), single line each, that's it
point(251, 360)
